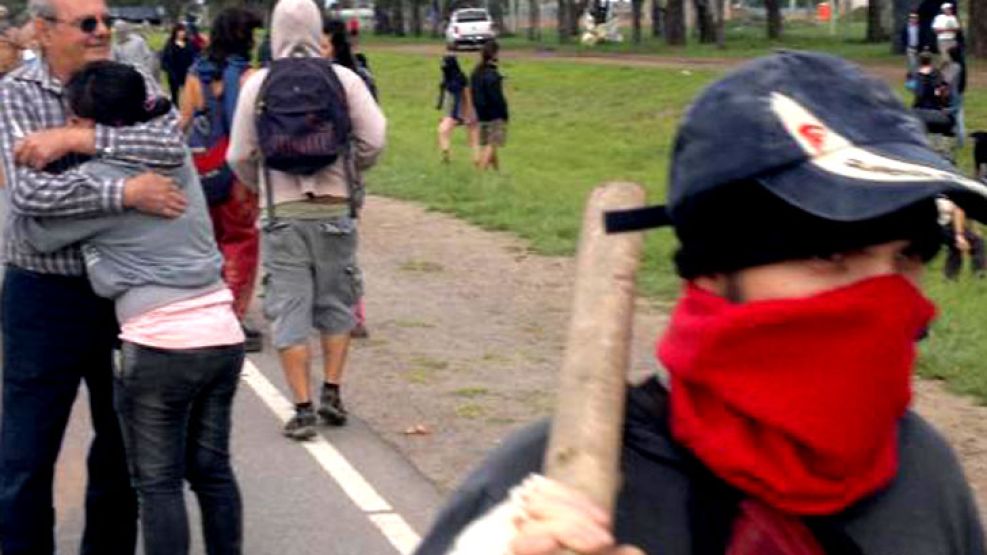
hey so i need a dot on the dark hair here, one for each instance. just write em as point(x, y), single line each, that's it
point(487, 55)
point(342, 53)
point(174, 32)
point(111, 93)
point(232, 34)
point(925, 58)
point(452, 74)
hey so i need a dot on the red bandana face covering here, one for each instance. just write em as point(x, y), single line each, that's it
point(796, 401)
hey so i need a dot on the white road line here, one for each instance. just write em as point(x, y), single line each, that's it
point(392, 525)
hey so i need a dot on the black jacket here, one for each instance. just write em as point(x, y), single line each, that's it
point(487, 87)
point(671, 505)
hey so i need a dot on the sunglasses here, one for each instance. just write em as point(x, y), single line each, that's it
point(87, 25)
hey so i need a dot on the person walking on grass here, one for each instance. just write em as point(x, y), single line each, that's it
point(487, 88)
point(310, 236)
point(455, 102)
point(207, 107)
point(784, 426)
point(56, 331)
point(182, 343)
point(177, 58)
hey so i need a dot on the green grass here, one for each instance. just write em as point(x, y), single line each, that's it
point(576, 126)
point(742, 39)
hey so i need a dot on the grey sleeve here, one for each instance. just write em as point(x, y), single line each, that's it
point(520, 455)
point(53, 234)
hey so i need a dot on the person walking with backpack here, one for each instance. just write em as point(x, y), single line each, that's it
point(306, 129)
point(207, 113)
point(487, 86)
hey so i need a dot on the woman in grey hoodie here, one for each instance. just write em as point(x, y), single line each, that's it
point(182, 343)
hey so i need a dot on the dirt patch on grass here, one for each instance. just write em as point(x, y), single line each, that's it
point(466, 351)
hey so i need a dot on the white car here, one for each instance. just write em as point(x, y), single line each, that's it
point(469, 26)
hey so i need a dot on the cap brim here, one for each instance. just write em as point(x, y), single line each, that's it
point(858, 183)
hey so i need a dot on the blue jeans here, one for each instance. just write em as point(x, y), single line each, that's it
point(57, 333)
point(175, 409)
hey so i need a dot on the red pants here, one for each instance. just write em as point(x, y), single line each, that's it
point(235, 224)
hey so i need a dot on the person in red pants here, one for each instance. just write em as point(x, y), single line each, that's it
point(207, 107)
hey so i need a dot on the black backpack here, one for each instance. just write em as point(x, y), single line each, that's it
point(302, 120)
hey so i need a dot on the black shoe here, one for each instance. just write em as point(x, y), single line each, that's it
point(359, 332)
point(253, 340)
point(301, 426)
point(331, 407)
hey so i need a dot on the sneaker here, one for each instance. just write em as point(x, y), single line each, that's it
point(253, 340)
point(359, 332)
point(331, 408)
point(301, 426)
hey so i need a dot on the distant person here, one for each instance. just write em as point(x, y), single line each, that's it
point(336, 45)
point(946, 27)
point(961, 239)
point(207, 108)
point(931, 104)
point(130, 47)
point(177, 58)
point(182, 344)
point(455, 102)
point(311, 201)
point(487, 88)
point(954, 74)
point(912, 39)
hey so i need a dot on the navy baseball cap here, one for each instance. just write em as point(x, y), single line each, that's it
point(813, 130)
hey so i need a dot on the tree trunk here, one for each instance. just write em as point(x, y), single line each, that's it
point(977, 35)
point(875, 22)
point(657, 18)
point(397, 17)
point(704, 21)
point(576, 10)
point(719, 22)
point(534, 20)
point(773, 8)
point(416, 17)
point(636, 9)
point(563, 20)
point(675, 23)
point(899, 18)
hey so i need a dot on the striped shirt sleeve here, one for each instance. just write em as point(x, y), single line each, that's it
point(41, 193)
point(159, 142)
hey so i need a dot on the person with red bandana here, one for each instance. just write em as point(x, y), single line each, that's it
point(803, 195)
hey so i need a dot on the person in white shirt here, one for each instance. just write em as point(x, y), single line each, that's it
point(946, 28)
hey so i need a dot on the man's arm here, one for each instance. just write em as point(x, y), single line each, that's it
point(34, 192)
point(243, 154)
point(369, 124)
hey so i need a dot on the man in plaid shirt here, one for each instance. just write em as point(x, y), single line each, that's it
point(56, 331)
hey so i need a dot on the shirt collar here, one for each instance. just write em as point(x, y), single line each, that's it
point(40, 73)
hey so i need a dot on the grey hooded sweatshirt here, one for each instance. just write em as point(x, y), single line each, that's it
point(142, 262)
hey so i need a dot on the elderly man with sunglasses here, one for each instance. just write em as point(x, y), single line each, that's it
point(56, 332)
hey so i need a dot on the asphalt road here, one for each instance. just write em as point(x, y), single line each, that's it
point(344, 493)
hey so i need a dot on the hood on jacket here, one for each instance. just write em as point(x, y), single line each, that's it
point(296, 26)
